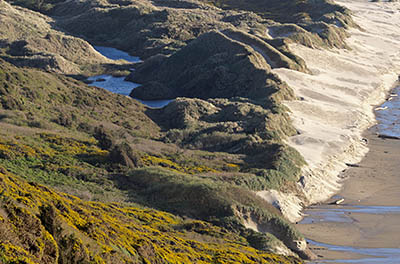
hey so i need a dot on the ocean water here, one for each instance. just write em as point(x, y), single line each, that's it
point(118, 84)
point(388, 116)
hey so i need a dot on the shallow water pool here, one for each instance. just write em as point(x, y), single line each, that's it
point(388, 116)
point(118, 84)
point(373, 255)
point(342, 214)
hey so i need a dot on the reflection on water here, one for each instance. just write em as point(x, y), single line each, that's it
point(372, 209)
point(314, 216)
point(343, 213)
point(115, 54)
point(113, 84)
point(118, 84)
point(374, 255)
point(389, 116)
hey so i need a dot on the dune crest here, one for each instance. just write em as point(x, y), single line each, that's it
point(337, 100)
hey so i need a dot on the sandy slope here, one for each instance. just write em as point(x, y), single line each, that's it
point(338, 98)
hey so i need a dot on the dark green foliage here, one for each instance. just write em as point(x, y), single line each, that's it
point(199, 158)
point(44, 6)
point(124, 154)
point(205, 199)
point(103, 137)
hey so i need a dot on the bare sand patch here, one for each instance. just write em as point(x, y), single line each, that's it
point(374, 184)
point(338, 98)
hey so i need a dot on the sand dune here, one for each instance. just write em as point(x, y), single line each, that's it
point(337, 99)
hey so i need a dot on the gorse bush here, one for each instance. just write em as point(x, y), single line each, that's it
point(39, 225)
point(201, 157)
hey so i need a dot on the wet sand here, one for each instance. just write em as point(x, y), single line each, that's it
point(376, 182)
point(337, 99)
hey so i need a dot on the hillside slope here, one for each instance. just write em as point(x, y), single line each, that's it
point(29, 38)
point(85, 148)
point(206, 154)
point(39, 225)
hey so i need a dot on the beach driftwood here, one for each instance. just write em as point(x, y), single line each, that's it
point(352, 165)
point(381, 108)
point(387, 136)
point(338, 201)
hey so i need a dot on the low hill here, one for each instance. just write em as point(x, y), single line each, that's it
point(102, 146)
point(204, 156)
point(28, 38)
point(40, 225)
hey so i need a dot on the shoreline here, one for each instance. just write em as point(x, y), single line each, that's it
point(374, 184)
point(352, 235)
point(338, 101)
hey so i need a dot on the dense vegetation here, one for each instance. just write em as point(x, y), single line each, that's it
point(296, 19)
point(38, 5)
point(40, 225)
point(102, 158)
point(202, 157)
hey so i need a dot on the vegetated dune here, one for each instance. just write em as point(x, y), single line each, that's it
point(102, 146)
point(201, 158)
point(212, 66)
point(147, 28)
point(339, 96)
point(40, 225)
point(30, 39)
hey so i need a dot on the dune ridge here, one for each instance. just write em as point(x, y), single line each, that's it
point(337, 101)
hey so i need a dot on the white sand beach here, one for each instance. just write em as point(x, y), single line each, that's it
point(337, 100)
